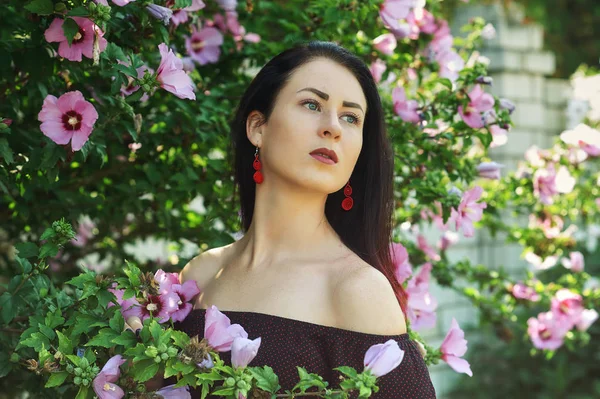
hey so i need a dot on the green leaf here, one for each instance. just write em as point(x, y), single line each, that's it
point(54, 320)
point(5, 364)
point(47, 331)
point(9, 309)
point(78, 12)
point(37, 340)
point(138, 353)
point(25, 264)
point(49, 249)
point(26, 249)
point(80, 280)
point(187, 379)
point(89, 355)
point(156, 330)
point(105, 297)
point(180, 339)
point(127, 339)
point(183, 3)
point(266, 379)
point(104, 338)
point(84, 322)
point(48, 233)
point(145, 370)
point(64, 343)
point(224, 391)
point(117, 323)
point(70, 29)
point(56, 379)
point(83, 391)
point(5, 151)
point(40, 7)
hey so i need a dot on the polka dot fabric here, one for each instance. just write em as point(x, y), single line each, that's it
point(287, 343)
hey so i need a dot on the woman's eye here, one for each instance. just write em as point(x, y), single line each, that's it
point(353, 119)
point(312, 106)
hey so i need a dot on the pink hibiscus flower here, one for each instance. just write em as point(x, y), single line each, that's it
point(489, 170)
point(68, 118)
point(185, 292)
point(219, 332)
point(454, 347)
point(403, 269)
point(421, 304)
point(547, 331)
point(104, 383)
point(171, 75)
point(385, 43)
point(380, 359)
point(479, 102)
point(468, 212)
point(243, 351)
point(567, 306)
point(575, 262)
point(407, 109)
point(204, 45)
point(83, 42)
point(392, 11)
point(377, 69)
point(522, 291)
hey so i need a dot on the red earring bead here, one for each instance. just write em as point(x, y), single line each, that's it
point(258, 176)
point(348, 202)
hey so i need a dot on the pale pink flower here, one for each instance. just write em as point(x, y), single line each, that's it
point(380, 359)
point(522, 291)
point(170, 392)
point(104, 383)
point(392, 11)
point(544, 184)
point(158, 306)
point(243, 350)
point(219, 332)
point(83, 42)
point(403, 268)
point(454, 347)
point(489, 170)
point(546, 331)
point(421, 305)
point(129, 307)
point(377, 69)
point(499, 136)
point(120, 3)
point(385, 43)
point(468, 212)
point(84, 232)
point(181, 16)
point(587, 138)
point(165, 280)
point(171, 75)
point(479, 102)
point(565, 182)
point(68, 118)
point(448, 238)
point(227, 5)
point(186, 292)
point(550, 226)
point(567, 306)
point(204, 45)
point(588, 317)
point(541, 264)
point(435, 217)
point(422, 21)
point(575, 262)
point(406, 109)
point(427, 249)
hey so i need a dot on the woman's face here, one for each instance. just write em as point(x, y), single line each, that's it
point(322, 106)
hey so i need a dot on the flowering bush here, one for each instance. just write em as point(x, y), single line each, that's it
point(118, 112)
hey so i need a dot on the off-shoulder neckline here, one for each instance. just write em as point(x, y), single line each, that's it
point(310, 324)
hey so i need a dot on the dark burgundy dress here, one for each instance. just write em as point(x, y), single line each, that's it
point(287, 343)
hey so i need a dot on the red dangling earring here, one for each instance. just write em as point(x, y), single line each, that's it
point(258, 176)
point(348, 202)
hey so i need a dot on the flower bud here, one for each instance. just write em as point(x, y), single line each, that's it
point(14, 357)
point(229, 382)
point(242, 384)
point(151, 351)
point(85, 382)
point(164, 356)
point(172, 352)
point(78, 371)
point(43, 292)
point(157, 359)
point(77, 380)
point(162, 348)
point(84, 363)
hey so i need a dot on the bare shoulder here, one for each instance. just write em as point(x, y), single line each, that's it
point(202, 267)
point(364, 301)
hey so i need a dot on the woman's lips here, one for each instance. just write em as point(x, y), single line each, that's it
point(323, 159)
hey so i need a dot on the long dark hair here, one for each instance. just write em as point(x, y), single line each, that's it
point(366, 229)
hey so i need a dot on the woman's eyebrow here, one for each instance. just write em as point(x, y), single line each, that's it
point(325, 97)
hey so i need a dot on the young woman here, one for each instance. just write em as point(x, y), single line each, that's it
point(312, 275)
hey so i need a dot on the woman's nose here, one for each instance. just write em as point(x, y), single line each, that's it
point(330, 126)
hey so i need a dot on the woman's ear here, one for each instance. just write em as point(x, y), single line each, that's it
point(254, 127)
